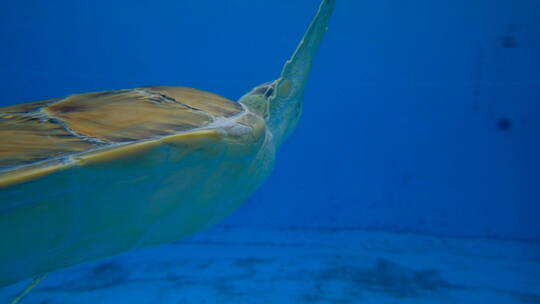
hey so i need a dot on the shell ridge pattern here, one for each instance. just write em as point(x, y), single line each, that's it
point(160, 97)
point(43, 116)
point(231, 125)
point(224, 125)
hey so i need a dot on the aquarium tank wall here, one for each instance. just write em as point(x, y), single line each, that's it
point(413, 174)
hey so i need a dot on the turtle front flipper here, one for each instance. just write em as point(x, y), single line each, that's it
point(286, 101)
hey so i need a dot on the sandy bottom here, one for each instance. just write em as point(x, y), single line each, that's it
point(226, 265)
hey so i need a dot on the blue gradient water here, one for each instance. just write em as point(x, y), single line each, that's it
point(420, 116)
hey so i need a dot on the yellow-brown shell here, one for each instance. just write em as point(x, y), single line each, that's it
point(43, 134)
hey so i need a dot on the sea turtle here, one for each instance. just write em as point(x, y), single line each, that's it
point(97, 174)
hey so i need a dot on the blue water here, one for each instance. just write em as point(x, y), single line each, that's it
point(420, 116)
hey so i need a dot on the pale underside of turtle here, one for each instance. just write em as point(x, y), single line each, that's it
point(97, 174)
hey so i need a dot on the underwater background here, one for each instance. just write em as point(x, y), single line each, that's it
point(420, 129)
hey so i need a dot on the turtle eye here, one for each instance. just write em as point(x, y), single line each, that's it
point(266, 90)
point(269, 91)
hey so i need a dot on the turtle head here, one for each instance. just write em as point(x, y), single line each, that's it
point(280, 102)
point(258, 99)
point(281, 117)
